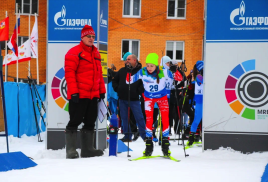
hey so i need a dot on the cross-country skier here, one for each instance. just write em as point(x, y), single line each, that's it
point(154, 82)
point(198, 99)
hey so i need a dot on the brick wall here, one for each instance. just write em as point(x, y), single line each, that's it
point(189, 30)
point(9, 6)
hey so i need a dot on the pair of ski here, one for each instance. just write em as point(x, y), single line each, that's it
point(150, 157)
point(195, 144)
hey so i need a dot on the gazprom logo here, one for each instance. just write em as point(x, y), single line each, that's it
point(103, 22)
point(248, 21)
point(60, 20)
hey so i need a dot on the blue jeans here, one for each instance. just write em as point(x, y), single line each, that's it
point(136, 110)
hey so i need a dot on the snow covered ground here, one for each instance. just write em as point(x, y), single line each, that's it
point(218, 165)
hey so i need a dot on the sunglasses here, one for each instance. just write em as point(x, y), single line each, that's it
point(90, 36)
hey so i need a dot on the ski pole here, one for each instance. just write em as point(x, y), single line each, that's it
point(128, 118)
point(42, 104)
point(179, 118)
point(37, 103)
point(36, 123)
point(160, 133)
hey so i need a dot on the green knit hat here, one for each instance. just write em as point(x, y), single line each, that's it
point(152, 58)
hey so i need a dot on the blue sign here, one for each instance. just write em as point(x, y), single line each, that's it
point(103, 21)
point(66, 18)
point(237, 20)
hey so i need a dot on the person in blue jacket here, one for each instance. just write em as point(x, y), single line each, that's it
point(197, 80)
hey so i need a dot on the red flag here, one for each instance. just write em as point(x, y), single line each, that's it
point(4, 29)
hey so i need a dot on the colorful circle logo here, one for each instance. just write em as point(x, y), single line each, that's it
point(59, 90)
point(246, 89)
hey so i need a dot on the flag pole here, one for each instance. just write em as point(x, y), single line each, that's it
point(37, 67)
point(6, 57)
point(17, 42)
point(29, 65)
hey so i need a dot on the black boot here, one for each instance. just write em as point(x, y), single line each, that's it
point(87, 144)
point(136, 136)
point(187, 131)
point(191, 139)
point(149, 147)
point(197, 138)
point(70, 141)
point(165, 146)
point(125, 139)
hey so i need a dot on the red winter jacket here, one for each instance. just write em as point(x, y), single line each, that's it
point(83, 72)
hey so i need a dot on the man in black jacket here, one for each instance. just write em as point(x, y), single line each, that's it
point(122, 88)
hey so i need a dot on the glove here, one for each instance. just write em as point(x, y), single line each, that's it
point(75, 98)
point(102, 96)
point(173, 68)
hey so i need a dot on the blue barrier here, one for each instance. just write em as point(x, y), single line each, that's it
point(12, 114)
point(19, 109)
point(264, 177)
point(15, 160)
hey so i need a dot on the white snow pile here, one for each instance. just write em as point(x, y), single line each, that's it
point(219, 165)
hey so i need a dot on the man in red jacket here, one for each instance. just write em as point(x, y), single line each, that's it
point(85, 88)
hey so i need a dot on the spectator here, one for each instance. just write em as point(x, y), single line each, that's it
point(122, 88)
point(83, 74)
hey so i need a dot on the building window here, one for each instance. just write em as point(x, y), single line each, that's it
point(21, 40)
point(132, 8)
point(176, 9)
point(27, 6)
point(175, 50)
point(132, 46)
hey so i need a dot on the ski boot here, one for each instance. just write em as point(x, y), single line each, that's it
point(154, 137)
point(149, 147)
point(187, 131)
point(197, 138)
point(165, 146)
point(191, 139)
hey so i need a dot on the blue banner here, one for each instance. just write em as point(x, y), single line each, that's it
point(19, 109)
point(237, 20)
point(12, 110)
point(66, 18)
point(103, 21)
point(27, 123)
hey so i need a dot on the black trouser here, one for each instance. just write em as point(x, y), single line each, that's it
point(86, 111)
point(155, 124)
point(187, 108)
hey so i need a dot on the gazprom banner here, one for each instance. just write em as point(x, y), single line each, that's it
point(66, 18)
point(237, 20)
point(236, 75)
